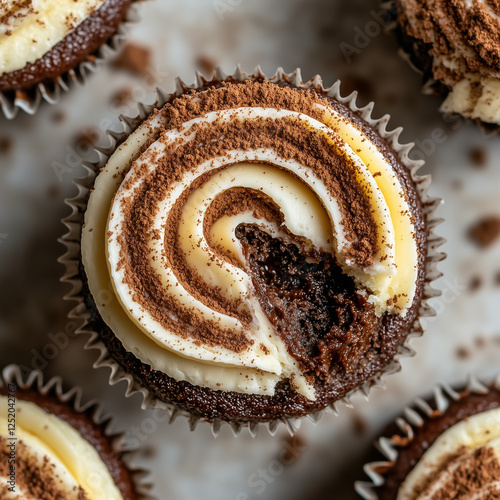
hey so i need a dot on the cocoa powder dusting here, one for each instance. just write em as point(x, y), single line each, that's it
point(288, 139)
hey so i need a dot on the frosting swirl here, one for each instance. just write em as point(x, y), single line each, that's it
point(180, 193)
point(463, 463)
point(464, 43)
point(31, 28)
point(50, 456)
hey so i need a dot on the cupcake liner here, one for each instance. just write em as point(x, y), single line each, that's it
point(29, 100)
point(414, 417)
point(93, 409)
point(71, 240)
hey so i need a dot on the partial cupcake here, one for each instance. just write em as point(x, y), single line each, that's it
point(40, 42)
point(53, 448)
point(447, 448)
point(456, 44)
point(254, 250)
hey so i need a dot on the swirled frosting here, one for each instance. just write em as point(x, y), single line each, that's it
point(464, 38)
point(193, 217)
point(48, 456)
point(463, 463)
point(31, 28)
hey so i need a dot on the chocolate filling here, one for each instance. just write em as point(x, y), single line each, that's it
point(313, 305)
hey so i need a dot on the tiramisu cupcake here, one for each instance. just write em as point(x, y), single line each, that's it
point(445, 449)
point(40, 42)
point(53, 447)
point(456, 44)
point(254, 250)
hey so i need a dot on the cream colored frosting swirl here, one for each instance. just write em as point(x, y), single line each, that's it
point(31, 28)
point(310, 212)
point(462, 464)
point(67, 462)
point(465, 39)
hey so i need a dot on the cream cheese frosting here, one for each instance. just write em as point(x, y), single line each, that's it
point(309, 210)
point(458, 455)
point(31, 28)
point(67, 461)
point(464, 35)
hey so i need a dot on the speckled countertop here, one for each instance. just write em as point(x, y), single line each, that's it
point(311, 34)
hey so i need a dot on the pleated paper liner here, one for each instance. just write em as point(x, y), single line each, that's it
point(30, 100)
point(93, 410)
point(414, 417)
point(72, 257)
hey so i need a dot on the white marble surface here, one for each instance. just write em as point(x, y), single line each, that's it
point(464, 337)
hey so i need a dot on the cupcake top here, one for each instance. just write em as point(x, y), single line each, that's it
point(40, 41)
point(48, 450)
point(444, 449)
point(463, 462)
point(29, 29)
point(253, 234)
point(463, 39)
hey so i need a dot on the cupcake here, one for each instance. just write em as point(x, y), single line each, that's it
point(52, 447)
point(446, 448)
point(457, 47)
point(42, 42)
point(253, 251)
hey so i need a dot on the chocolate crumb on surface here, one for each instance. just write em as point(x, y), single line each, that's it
point(486, 231)
point(134, 58)
point(478, 156)
point(6, 145)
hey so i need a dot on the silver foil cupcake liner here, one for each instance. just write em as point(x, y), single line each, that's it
point(71, 240)
point(35, 380)
point(413, 417)
point(29, 101)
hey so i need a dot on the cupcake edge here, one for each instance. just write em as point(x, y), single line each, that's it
point(415, 415)
point(93, 409)
point(71, 240)
point(30, 100)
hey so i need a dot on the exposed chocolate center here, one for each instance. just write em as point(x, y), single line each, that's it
point(313, 305)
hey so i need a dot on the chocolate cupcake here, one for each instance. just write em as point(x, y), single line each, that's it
point(456, 44)
point(52, 446)
point(43, 43)
point(255, 250)
point(445, 449)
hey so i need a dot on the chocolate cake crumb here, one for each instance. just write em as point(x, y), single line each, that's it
point(463, 353)
point(313, 305)
point(486, 231)
point(475, 283)
point(122, 97)
point(206, 64)
point(478, 156)
point(134, 58)
point(6, 145)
